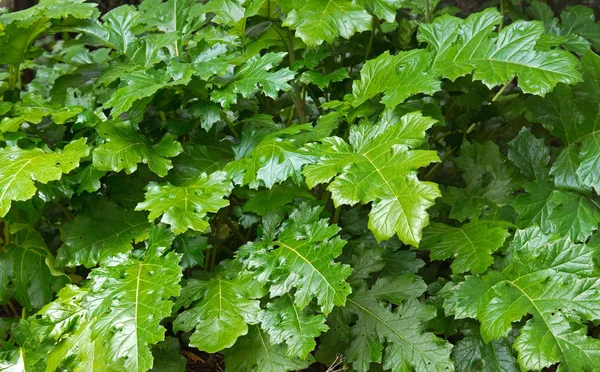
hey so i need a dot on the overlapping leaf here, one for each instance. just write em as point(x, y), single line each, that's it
point(380, 165)
point(301, 258)
point(462, 47)
point(550, 279)
point(186, 207)
point(19, 169)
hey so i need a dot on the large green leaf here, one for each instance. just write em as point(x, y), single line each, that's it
point(222, 310)
point(104, 230)
point(316, 21)
point(550, 279)
point(462, 47)
point(124, 148)
point(471, 245)
point(19, 169)
point(301, 257)
point(186, 207)
point(380, 165)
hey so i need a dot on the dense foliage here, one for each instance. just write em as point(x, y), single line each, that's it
point(275, 185)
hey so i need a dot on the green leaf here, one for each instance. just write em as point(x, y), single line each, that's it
point(203, 155)
point(253, 75)
point(255, 351)
point(462, 47)
point(473, 354)
point(318, 21)
point(471, 245)
point(572, 215)
point(20, 168)
point(395, 337)
point(322, 80)
point(380, 165)
point(301, 257)
point(531, 155)
point(548, 278)
point(167, 357)
point(222, 311)
point(27, 268)
point(104, 230)
point(266, 157)
point(572, 116)
point(143, 84)
point(284, 322)
point(130, 297)
point(186, 207)
point(398, 77)
point(124, 148)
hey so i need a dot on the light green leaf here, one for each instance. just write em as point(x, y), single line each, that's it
point(380, 165)
point(253, 75)
point(222, 311)
point(124, 148)
point(266, 157)
point(398, 77)
point(301, 256)
point(20, 168)
point(462, 47)
point(471, 245)
point(322, 80)
point(316, 21)
point(103, 230)
point(186, 207)
point(130, 297)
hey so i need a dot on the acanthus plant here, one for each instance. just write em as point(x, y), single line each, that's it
point(353, 184)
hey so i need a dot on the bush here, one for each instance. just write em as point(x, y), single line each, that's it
point(279, 185)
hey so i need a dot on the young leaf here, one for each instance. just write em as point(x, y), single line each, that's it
point(19, 169)
point(284, 322)
point(125, 148)
point(186, 207)
point(398, 77)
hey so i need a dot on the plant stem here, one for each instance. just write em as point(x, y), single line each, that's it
point(427, 12)
point(244, 34)
point(501, 26)
point(233, 228)
point(299, 102)
point(6, 233)
point(435, 167)
point(502, 90)
point(370, 44)
point(229, 125)
point(336, 215)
